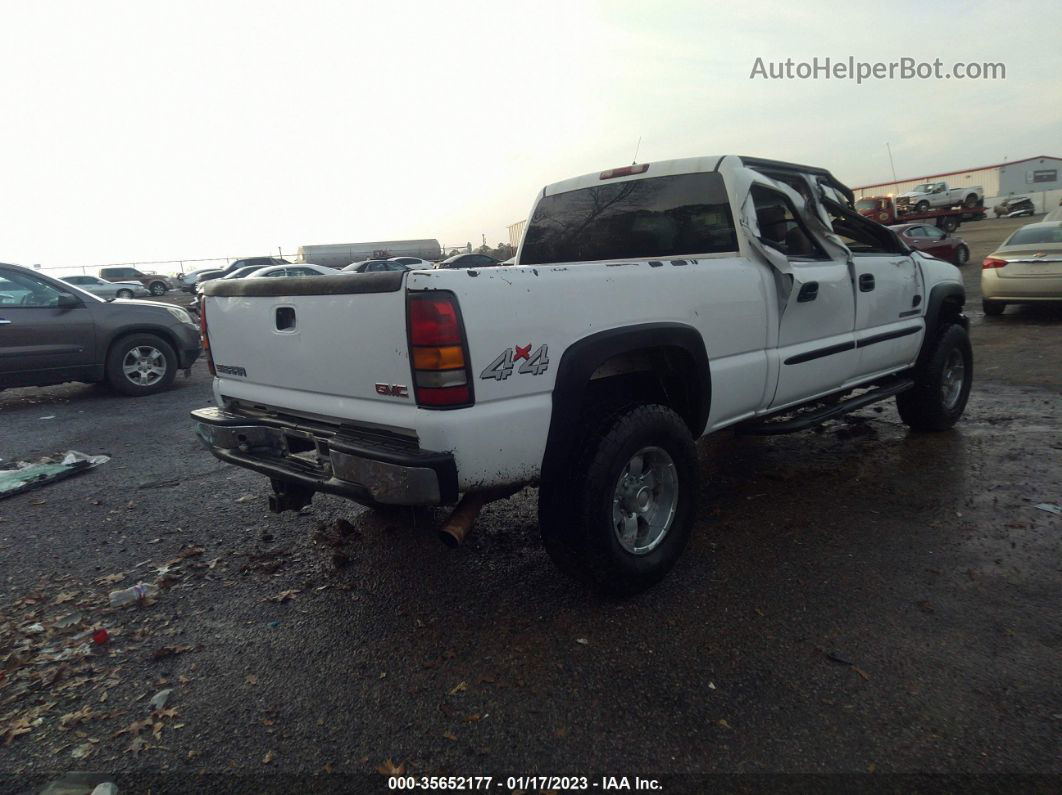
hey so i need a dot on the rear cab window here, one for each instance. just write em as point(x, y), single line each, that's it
point(649, 218)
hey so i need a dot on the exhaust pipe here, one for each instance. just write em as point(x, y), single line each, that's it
point(457, 527)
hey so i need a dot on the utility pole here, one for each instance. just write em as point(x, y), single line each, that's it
point(892, 165)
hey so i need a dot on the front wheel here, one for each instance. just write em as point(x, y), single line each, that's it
point(157, 288)
point(620, 514)
point(962, 255)
point(942, 384)
point(922, 206)
point(125, 294)
point(141, 364)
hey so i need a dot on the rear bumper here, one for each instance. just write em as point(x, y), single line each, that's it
point(344, 462)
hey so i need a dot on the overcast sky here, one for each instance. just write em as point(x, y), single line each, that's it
point(140, 131)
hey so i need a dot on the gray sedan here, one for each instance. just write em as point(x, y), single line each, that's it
point(97, 286)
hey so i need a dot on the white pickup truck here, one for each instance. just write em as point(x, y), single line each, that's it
point(649, 305)
point(937, 195)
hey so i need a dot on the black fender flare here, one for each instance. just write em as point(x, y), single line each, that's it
point(583, 357)
point(952, 292)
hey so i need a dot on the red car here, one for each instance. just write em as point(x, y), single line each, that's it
point(934, 241)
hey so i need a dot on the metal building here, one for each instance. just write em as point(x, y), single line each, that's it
point(1039, 178)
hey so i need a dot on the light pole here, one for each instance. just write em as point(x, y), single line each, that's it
point(891, 165)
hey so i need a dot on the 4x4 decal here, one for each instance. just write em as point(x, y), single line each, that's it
point(534, 362)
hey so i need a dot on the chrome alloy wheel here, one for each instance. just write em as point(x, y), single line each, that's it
point(144, 365)
point(645, 500)
point(952, 378)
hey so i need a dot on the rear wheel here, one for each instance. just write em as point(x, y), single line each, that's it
point(993, 307)
point(942, 384)
point(141, 364)
point(949, 223)
point(620, 513)
point(971, 201)
point(962, 255)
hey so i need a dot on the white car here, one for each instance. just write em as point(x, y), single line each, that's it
point(414, 263)
point(104, 289)
point(649, 305)
point(291, 271)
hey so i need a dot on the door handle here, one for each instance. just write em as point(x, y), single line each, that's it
point(4, 322)
point(866, 282)
point(808, 292)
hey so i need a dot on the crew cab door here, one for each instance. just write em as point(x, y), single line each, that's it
point(816, 351)
point(889, 294)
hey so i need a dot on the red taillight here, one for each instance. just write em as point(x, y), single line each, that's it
point(437, 351)
point(626, 171)
point(993, 262)
point(203, 336)
point(433, 321)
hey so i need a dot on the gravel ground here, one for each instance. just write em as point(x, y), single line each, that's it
point(854, 600)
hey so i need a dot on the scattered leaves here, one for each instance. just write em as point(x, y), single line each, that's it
point(460, 687)
point(163, 652)
point(284, 596)
point(268, 757)
point(389, 768)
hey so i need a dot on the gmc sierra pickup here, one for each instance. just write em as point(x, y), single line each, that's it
point(649, 305)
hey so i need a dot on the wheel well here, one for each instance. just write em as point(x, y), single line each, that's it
point(661, 375)
point(165, 336)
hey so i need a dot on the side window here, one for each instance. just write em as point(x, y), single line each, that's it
point(917, 232)
point(780, 227)
point(75, 280)
point(26, 290)
point(932, 233)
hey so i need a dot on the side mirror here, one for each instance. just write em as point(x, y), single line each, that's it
point(67, 301)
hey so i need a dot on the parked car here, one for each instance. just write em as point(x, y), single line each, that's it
point(935, 241)
point(187, 281)
point(291, 271)
point(52, 332)
point(414, 263)
point(260, 262)
point(468, 261)
point(938, 194)
point(650, 305)
point(195, 278)
point(375, 266)
point(256, 272)
point(155, 282)
point(105, 289)
point(1026, 269)
point(1015, 207)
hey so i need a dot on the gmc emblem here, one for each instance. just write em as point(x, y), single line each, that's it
point(392, 390)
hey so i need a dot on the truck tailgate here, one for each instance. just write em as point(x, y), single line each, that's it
point(329, 335)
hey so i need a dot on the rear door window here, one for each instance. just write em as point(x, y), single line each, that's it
point(643, 218)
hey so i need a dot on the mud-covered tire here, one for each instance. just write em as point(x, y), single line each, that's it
point(993, 307)
point(127, 352)
point(942, 383)
point(577, 509)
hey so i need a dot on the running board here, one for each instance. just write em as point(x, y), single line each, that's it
point(805, 421)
